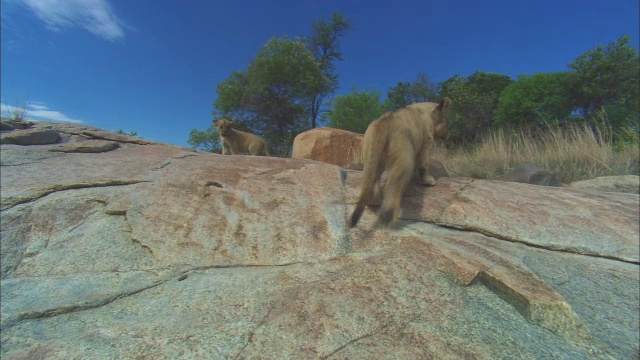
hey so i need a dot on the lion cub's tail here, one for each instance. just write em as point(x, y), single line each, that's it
point(357, 213)
point(371, 156)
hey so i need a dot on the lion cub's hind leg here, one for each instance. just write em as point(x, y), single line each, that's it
point(422, 166)
point(258, 147)
point(255, 149)
point(399, 176)
point(370, 192)
point(424, 178)
point(377, 195)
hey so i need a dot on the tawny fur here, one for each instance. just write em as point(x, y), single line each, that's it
point(402, 141)
point(239, 142)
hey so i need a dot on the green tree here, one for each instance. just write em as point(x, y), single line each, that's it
point(232, 94)
point(207, 140)
point(324, 44)
point(608, 78)
point(537, 100)
point(271, 97)
point(355, 111)
point(405, 93)
point(474, 99)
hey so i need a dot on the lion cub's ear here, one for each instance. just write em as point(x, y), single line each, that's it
point(444, 104)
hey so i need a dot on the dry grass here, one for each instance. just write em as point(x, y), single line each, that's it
point(574, 153)
point(17, 111)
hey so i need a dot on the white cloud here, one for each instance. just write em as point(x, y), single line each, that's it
point(37, 106)
point(96, 16)
point(37, 111)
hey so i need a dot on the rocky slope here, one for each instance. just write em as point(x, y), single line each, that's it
point(115, 247)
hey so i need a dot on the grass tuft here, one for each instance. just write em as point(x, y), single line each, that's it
point(573, 153)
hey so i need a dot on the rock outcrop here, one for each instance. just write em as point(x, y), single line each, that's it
point(330, 146)
point(622, 183)
point(342, 148)
point(148, 250)
point(7, 123)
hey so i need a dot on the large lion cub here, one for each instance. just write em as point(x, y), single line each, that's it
point(402, 141)
point(239, 142)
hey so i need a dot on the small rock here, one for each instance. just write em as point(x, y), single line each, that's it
point(437, 169)
point(88, 146)
point(6, 126)
point(533, 174)
point(31, 137)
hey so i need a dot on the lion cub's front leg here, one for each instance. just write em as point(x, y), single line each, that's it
point(227, 149)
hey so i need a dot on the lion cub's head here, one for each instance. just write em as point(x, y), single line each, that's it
point(441, 131)
point(224, 126)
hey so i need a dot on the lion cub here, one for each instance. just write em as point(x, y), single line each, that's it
point(239, 142)
point(402, 141)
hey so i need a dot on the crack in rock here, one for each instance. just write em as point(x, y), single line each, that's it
point(11, 321)
point(261, 173)
point(10, 202)
point(455, 199)
point(355, 340)
point(252, 333)
point(185, 155)
point(562, 249)
point(162, 166)
point(144, 246)
point(129, 229)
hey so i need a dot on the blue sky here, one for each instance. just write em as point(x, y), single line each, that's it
point(152, 66)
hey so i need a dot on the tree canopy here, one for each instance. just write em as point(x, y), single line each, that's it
point(272, 95)
point(356, 110)
point(284, 90)
point(207, 140)
point(474, 99)
point(420, 90)
point(324, 44)
point(539, 99)
point(608, 77)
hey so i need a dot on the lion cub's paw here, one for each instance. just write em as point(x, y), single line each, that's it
point(428, 180)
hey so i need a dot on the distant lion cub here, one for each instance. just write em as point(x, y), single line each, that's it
point(239, 142)
point(401, 140)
